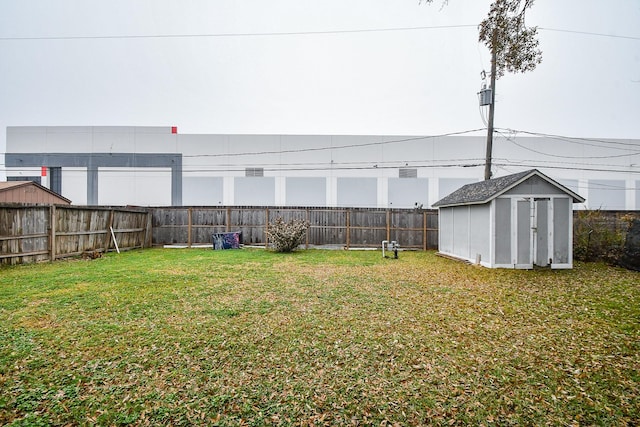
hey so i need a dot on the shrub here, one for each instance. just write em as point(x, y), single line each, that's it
point(287, 236)
point(599, 237)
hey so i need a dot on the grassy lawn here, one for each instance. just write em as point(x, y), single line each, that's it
point(249, 337)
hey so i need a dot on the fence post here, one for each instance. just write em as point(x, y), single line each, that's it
point(148, 236)
point(107, 239)
point(52, 232)
point(266, 228)
point(388, 225)
point(424, 231)
point(189, 226)
point(306, 244)
point(348, 219)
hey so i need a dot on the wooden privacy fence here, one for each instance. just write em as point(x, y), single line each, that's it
point(342, 227)
point(30, 233)
point(41, 233)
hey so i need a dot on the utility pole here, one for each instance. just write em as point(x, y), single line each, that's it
point(487, 162)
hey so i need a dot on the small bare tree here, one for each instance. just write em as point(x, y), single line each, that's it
point(287, 236)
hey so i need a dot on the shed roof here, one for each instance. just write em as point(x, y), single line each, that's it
point(10, 185)
point(485, 191)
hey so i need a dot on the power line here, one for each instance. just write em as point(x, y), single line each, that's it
point(337, 147)
point(414, 163)
point(533, 165)
point(293, 33)
point(369, 166)
point(588, 33)
point(581, 141)
point(213, 35)
point(513, 141)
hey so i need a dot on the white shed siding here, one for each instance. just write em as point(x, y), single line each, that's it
point(445, 231)
point(480, 232)
point(461, 231)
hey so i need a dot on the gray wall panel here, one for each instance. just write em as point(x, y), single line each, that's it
point(524, 232)
point(306, 191)
point(202, 191)
point(254, 191)
point(503, 231)
point(606, 194)
point(358, 192)
point(571, 184)
point(535, 185)
point(406, 192)
point(542, 233)
point(561, 230)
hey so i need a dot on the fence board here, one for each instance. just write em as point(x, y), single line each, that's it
point(31, 233)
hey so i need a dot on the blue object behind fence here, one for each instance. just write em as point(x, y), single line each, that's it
point(227, 240)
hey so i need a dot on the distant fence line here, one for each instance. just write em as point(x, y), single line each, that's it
point(30, 233)
point(345, 227)
point(49, 232)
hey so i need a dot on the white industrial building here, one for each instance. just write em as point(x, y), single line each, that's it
point(157, 166)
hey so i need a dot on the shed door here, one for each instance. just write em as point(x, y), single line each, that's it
point(541, 232)
point(522, 232)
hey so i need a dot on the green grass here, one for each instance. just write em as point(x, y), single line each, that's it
point(250, 337)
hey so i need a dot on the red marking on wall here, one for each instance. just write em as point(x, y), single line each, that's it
point(174, 129)
point(43, 172)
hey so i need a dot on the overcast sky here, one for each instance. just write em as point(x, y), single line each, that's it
point(228, 79)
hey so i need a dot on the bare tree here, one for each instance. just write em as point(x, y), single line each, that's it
point(505, 33)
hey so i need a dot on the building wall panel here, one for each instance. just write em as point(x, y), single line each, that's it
point(357, 192)
point(408, 192)
point(606, 194)
point(254, 191)
point(134, 186)
point(306, 191)
point(202, 190)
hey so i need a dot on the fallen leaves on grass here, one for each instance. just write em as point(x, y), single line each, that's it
point(345, 338)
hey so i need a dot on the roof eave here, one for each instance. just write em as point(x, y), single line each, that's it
point(450, 205)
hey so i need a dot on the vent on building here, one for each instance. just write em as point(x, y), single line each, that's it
point(254, 172)
point(36, 179)
point(408, 173)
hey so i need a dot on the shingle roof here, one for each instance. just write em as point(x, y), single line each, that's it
point(484, 191)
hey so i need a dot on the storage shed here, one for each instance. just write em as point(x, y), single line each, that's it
point(29, 192)
point(515, 221)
